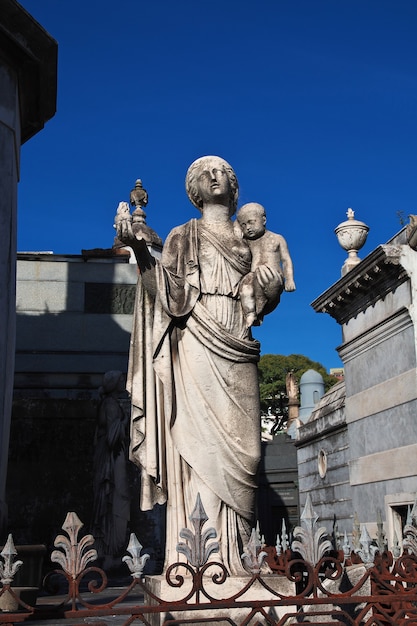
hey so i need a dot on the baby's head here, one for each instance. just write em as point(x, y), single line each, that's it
point(252, 220)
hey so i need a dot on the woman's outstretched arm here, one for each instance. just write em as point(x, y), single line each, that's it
point(146, 262)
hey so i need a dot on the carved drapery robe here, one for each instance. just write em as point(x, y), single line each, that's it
point(194, 387)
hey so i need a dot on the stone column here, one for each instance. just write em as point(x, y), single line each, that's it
point(27, 101)
point(9, 163)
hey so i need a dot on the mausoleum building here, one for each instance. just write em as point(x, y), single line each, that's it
point(357, 453)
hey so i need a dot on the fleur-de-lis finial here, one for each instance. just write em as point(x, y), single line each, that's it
point(367, 551)
point(198, 550)
point(135, 562)
point(9, 566)
point(252, 555)
point(278, 546)
point(381, 543)
point(346, 546)
point(312, 544)
point(75, 557)
point(284, 536)
point(261, 537)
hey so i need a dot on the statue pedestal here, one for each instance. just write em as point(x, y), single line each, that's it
point(158, 586)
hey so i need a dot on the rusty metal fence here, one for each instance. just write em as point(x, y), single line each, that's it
point(310, 582)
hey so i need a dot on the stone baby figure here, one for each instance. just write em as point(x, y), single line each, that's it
point(269, 254)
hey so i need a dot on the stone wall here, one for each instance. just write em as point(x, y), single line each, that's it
point(278, 487)
point(375, 304)
point(74, 320)
point(74, 317)
point(323, 461)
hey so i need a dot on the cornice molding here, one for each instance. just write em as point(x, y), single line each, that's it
point(27, 49)
point(368, 340)
point(380, 273)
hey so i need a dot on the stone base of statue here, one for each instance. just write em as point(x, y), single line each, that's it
point(233, 585)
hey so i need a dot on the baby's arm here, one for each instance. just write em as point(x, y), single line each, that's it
point(287, 265)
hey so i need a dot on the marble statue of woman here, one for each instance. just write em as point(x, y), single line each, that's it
point(111, 501)
point(192, 369)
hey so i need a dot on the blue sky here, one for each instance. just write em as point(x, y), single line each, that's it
point(313, 102)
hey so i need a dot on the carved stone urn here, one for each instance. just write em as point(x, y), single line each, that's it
point(351, 235)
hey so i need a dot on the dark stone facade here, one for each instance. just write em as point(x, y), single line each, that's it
point(278, 487)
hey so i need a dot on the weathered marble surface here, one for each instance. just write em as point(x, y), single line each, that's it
point(268, 250)
point(351, 235)
point(192, 371)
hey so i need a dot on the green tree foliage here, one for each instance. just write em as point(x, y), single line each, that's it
point(273, 369)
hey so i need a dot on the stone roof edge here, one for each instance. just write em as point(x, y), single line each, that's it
point(32, 52)
point(318, 430)
point(376, 275)
point(51, 257)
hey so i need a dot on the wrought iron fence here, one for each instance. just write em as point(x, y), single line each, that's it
point(311, 582)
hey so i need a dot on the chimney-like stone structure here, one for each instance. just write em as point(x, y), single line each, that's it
point(28, 77)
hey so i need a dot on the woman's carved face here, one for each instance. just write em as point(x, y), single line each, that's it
point(212, 179)
point(213, 184)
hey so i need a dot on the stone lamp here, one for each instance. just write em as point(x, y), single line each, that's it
point(351, 235)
